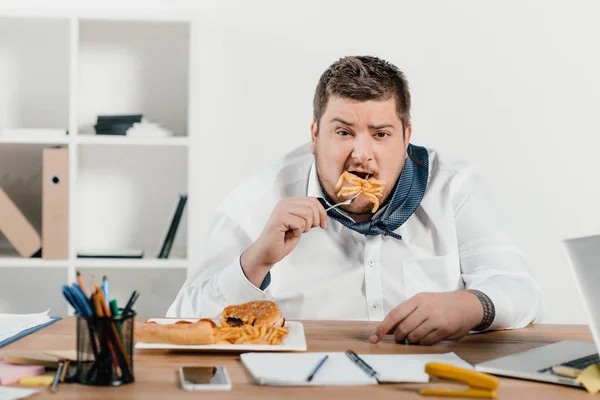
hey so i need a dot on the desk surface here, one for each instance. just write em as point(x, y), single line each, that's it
point(155, 372)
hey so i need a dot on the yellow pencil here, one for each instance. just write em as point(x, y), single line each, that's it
point(81, 282)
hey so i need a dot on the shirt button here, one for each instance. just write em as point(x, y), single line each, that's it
point(374, 306)
point(371, 263)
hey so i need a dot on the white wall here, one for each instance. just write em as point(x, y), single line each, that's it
point(511, 86)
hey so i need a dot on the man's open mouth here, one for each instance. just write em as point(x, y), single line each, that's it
point(361, 175)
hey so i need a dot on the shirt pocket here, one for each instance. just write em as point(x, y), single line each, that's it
point(432, 274)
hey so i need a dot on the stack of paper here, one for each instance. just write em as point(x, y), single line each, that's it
point(292, 369)
point(148, 129)
point(12, 325)
point(11, 393)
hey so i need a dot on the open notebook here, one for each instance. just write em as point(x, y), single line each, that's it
point(16, 326)
point(293, 369)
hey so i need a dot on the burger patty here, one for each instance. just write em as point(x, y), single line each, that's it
point(234, 322)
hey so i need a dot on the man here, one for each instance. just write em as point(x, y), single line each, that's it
point(433, 264)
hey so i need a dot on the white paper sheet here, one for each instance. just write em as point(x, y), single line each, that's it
point(12, 393)
point(293, 369)
point(13, 324)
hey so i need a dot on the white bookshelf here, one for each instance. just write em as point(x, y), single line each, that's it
point(132, 141)
point(123, 190)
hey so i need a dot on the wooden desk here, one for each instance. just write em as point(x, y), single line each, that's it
point(156, 377)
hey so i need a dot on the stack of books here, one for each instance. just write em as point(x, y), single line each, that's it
point(116, 124)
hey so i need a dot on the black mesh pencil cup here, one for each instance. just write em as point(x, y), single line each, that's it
point(105, 350)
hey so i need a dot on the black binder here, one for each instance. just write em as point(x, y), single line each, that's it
point(170, 238)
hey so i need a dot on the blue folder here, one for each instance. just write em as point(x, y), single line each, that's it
point(28, 332)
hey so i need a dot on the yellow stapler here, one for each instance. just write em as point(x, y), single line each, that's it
point(480, 385)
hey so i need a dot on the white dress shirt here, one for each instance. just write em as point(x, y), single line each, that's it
point(454, 240)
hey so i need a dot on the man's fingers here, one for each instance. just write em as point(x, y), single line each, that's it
point(321, 211)
point(304, 212)
point(432, 338)
point(419, 332)
point(409, 324)
point(316, 216)
point(319, 214)
point(391, 320)
point(294, 224)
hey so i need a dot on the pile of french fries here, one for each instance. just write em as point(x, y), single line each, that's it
point(248, 334)
point(370, 189)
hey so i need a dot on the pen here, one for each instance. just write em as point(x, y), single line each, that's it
point(104, 286)
point(65, 370)
point(54, 387)
point(319, 365)
point(114, 309)
point(132, 300)
point(106, 313)
point(362, 364)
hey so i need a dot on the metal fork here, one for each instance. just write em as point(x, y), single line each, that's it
point(346, 202)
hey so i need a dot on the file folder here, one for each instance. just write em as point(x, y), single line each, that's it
point(55, 203)
point(17, 229)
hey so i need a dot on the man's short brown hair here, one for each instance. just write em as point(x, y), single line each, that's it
point(363, 78)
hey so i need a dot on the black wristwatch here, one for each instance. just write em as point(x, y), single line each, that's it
point(489, 311)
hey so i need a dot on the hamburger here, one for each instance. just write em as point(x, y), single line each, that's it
point(254, 313)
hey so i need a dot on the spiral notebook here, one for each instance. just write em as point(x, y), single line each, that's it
point(293, 369)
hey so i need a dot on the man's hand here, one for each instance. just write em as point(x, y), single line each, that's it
point(289, 220)
point(429, 318)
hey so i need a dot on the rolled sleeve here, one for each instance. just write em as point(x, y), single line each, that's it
point(490, 260)
point(235, 288)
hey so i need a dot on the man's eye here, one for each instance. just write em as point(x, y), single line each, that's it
point(382, 134)
point(343, 133)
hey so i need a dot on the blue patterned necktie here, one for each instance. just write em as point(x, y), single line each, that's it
point(407, 196)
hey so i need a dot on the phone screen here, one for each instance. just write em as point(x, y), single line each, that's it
point(203, 376)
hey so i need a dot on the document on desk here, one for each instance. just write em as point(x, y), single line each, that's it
point(14, 326)
point(293, 369)
point(11, 393)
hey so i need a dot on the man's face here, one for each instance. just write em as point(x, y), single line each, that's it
point(362, 137)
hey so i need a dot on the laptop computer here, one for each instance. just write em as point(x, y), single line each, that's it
point(584, 256)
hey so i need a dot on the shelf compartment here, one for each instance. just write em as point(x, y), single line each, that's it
point(20, 290)
point(126, 197)
point(34, 78)
point(134, 67)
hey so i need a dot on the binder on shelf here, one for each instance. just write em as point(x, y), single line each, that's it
point(55, 203)
point(17, 229)
point(170, 237)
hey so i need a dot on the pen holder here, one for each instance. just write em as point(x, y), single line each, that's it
point(105, 350)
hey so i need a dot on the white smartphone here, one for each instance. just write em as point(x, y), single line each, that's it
point(204, 378)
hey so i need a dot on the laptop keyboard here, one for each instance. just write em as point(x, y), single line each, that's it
point(584, 362)
point(580, 363)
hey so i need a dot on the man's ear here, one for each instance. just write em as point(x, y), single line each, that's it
point(314, 131)
point(407, 135)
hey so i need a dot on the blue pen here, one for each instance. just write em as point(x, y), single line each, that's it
point(104, 287)
point(79, 302)
point(66, 291)
point(84, 305)
point(319, 365)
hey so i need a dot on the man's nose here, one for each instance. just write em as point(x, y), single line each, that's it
point(363, 149)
